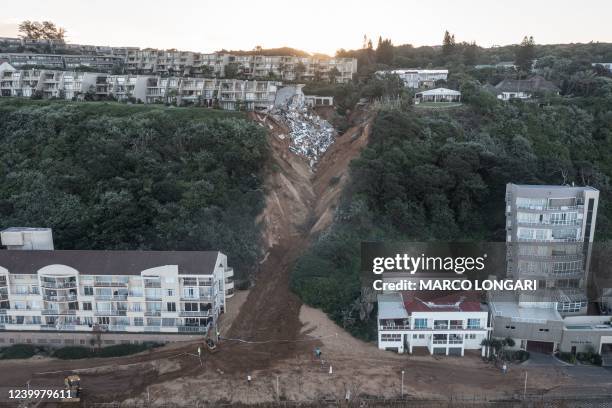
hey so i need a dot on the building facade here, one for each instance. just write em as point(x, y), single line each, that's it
point(418, 78)
point(228, 94)
point(113, 291)
point(445, 324)
point(149, 61)
point(550, 230)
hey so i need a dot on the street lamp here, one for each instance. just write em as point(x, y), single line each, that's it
point(402, 383)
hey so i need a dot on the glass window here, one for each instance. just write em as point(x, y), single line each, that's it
point(420, 323)
point(473, 323)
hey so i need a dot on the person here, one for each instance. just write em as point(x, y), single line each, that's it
point(317, 352)
point(504, 368)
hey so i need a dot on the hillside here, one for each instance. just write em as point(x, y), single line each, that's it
point(116, 176)
point(441, 175)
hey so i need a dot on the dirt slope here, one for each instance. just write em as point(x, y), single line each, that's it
point(299, 203)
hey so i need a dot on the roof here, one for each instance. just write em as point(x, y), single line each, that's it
point(109, 262)
point(391, 306)
point(515, 311)
point(440, 91)
point(534, 84)
point(442, 301)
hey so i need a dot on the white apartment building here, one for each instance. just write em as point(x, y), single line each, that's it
point(110, 291)
point(419, 78)
point(440, 322)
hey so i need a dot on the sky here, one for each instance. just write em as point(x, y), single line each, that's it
point(313, 25)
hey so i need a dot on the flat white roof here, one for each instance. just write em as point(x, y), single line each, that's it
point(514, 310)
point(391, 306)
point(440, 91)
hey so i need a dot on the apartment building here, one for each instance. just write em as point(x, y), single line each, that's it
point(550, 230)
point(132, 292)
point(440, 322)
point(228, 94)
point(55, 54)
point(419, 78)
point(104, 63)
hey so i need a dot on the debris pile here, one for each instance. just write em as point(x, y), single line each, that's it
point(310, 135)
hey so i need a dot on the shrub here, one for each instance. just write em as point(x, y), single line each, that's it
point(72, 353)
point(19, 351)
point(76, 352)
point(567, 357)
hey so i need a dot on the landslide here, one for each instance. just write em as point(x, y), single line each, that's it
point(300, 203)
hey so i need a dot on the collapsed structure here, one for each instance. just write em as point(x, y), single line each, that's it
point(310, 134)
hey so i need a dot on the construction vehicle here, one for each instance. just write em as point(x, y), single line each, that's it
point(72, 384)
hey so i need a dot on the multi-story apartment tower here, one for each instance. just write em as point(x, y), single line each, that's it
point(549, 234)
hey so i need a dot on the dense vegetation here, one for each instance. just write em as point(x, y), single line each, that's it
point(441, 174)
point(113, 176)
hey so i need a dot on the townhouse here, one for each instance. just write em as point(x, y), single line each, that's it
point(44, 292)
point(441, 322)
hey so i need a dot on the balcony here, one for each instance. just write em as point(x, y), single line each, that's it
point(110, 313)
point(68, 298)
point(109, 284)
point(395, 327)
point(153, 313)
point(55, 312)
point(58, 285)
point(192, 329)
point(202, 313)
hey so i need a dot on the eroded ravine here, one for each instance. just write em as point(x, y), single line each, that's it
point(300, 203)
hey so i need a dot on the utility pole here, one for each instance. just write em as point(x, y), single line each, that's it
point(525, 387)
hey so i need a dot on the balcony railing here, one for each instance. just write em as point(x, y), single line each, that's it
point(204, 313)
point(192, 329)
point(110, 284)
point(58, 312)
point(56, 285)
point(69, 298)
point(110, 312)
point(152, 313)
point(396, 327)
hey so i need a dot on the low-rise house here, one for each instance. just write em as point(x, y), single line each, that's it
point(440, 322)
point(606, 65)
point(418, 78)
point(316, 100)
point(437, 95)
point(524, 88)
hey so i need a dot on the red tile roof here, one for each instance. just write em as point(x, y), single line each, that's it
point(441, 301)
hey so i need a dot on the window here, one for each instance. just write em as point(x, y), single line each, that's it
point(191, 307)
point(138, 321)
point(473, 323)
point(88, 290)
point(171, 307)
point(87, 306)
point(170, 292)
point(421, 336)
point(420, 323)
point(414, 336)
point(390, 337)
